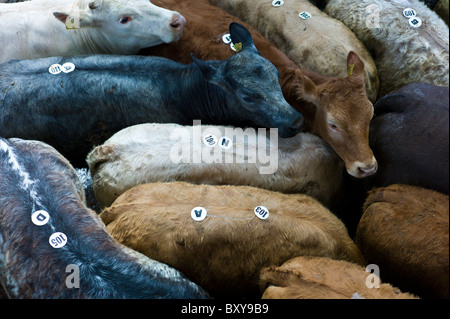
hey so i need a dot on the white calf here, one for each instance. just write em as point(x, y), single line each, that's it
point(42, 28)
point(169, 152)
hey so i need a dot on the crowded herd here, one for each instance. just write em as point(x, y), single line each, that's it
point(210, 149)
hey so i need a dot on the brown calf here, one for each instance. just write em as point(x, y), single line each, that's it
point(225, 251)
point(404, 230)
point(336, 109)
point(324, 278)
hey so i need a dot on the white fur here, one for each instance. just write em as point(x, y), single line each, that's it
point(30, 30)
point(142, 154)
point(403, 54)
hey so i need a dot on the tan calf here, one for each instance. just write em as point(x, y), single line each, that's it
point(324, 278)
point(403, 53)
point(319, 44)
point(225, 251)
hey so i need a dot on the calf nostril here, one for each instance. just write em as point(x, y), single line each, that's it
point(368, 170)
point(178, 22)
point(297, 125)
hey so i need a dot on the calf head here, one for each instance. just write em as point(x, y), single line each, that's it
point(343, 115)
point(253, 86)
point(127, 26)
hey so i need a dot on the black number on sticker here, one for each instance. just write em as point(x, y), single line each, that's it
point(58, 240)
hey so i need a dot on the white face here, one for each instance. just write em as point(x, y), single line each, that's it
point(130, 25)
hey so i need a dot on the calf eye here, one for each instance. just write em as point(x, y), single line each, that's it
point(248, 99)
point(124, 20)
point(333, 127)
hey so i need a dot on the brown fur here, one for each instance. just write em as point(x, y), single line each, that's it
point(322, 278)
point(226, 251)
point(405, 231)
point(312, 94)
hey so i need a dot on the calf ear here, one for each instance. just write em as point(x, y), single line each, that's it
point(61, 16)
point(77, 18)
point(355, 66)
point(240, 34)
point(306, 88)
point(211, 73)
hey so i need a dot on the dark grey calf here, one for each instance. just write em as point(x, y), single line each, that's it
point(35, 264)
point(409, 136)
point(75, 111)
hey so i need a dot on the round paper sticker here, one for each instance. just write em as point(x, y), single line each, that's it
point(210, 140)
point(68, 67)
point(415, 22)
point(198, 213)
point(40, 217)
point(304, 15)
point(55, 69)
point(261, 212)
point(225, 142)
point(277, 3)
point(57, 240)
point(409, 13)
point(226, 38)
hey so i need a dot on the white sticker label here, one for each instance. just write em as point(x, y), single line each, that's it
point(304, 15)
point(409, 13)
point(415, 22)
point(55, 69)
point(210, 140)
point(57, 240)
point(232, 46)
point(226, 38)
point(277, 3)
point(40, 217)
point(225, 142)
point(198, 213)
point(68, 67)
point(261, 212)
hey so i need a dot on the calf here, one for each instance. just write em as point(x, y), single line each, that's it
point(318, 43)
point(226, 250)
point(324, 278)
point(168, 152)
point(44, 28)
point(410, 137)
point(404, 230)
point(405, 50)
point(52, 246)
point(104, 94)
point(336, 109)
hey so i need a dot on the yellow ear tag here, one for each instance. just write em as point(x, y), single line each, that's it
point(72, 23)
point(238, 46)
point(350, 69)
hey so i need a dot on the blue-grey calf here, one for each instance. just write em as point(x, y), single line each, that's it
point(37, 181)
point(103, 94)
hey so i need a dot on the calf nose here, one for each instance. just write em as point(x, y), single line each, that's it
point(297, 125)
point(178, 22)
point(367, 170)
point(286, 130)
